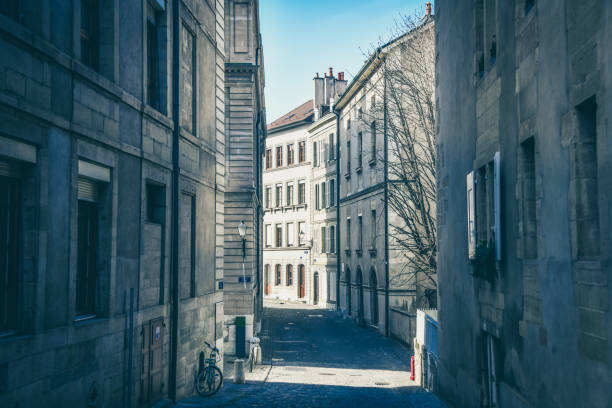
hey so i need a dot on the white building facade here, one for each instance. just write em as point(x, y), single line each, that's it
point(286, 195)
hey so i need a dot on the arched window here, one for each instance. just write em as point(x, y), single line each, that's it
point(289, 277)
point(278, 274)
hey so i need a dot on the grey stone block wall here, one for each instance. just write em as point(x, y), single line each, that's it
point(547, 305)
point(68, 112)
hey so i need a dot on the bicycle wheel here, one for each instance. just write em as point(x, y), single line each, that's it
point(209, 381)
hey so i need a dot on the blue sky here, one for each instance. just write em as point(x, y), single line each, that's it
point(301, 37)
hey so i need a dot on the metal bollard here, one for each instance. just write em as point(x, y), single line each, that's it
point(239, 371)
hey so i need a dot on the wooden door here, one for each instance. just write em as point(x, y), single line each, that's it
point(267, 280)
point(301, 281)
point(151, 378)
point(316, 288)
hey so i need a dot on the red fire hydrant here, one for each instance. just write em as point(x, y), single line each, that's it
point(412, 368)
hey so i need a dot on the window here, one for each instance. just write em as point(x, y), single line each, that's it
point(332, 192)
point(289, 194)
point(360, 113)
point(10, 198)
point(90, 41)
point(154, 54)
point(301, 192)
point(348, 123)
point(290, 234)
point(527, 209)
point(373, 231)
point(188, 73)
point(87, 249)
point(332, 239)
point(268, 235)
point(279, 156)
point(302, 152)
point(277, 270)
point(373, 136)
point(289, 277)
point(290, 155)
point(348, 157)
point(584, 215)
point(323, 240)
point(315, 154)
point(279, 235)
point(486, 34)
point(360, 237)
point(268, 158)
point(529, 5)
point(268, 197)
point(12, 9)
point(156, 203)
point(489, 351)
point(332, 148)
point(348, 233)
point(279, 195)
point(323, 195)
point(487, 206)
point(302, 232)
point(317, 195)
point(359, 149)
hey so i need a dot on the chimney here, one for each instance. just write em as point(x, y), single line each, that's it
point(340, 76)
point(428, 8)
point(331, 72)
point(319, 91)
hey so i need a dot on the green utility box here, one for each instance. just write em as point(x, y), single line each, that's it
point(240, 336)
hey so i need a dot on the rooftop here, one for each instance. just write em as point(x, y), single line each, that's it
point(302, 114)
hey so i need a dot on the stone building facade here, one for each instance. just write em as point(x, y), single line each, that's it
point(286, 178)
point(375, 287)
point(523, 92)
point(324, 188)
point(245, 132)
point(112, 178)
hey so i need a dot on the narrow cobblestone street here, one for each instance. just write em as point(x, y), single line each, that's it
point(313, 358)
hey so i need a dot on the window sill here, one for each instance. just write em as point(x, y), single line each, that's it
point(347, 175)
point(347, 251)
point(8, 334)
point(372, 162)
point(373, 252)
point(359, 169)
point(86, 320)
point(359, 252)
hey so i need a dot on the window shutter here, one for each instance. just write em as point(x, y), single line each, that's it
point(87, 189)
point(497, 203)
point(471, 214)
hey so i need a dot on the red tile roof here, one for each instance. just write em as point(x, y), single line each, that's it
point(303, 113)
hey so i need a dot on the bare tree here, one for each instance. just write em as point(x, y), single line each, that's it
point(405, 100)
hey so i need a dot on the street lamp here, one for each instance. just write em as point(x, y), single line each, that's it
point(242, 228)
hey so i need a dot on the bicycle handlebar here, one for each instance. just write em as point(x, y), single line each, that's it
point(211, 347)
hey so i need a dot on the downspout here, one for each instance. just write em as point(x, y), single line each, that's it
point(175, 198)
point(338, 177)
point(258, 190)
point(386, 184)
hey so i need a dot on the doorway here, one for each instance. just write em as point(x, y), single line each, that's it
point(360, 314)
point(373, 298)
point(348, 291)
point(301, 290)
point(316, 288)
point(267, 280)
point(151, 380)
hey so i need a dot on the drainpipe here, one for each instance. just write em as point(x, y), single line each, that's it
point(260, 132)
point(338, 177)
point(175, 198)
point(386, 184)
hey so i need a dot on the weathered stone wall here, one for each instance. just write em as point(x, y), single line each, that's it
point(543, 104)
point(66, 112)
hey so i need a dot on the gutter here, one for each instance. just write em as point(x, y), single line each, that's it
point(174, 308)
point(338, 220)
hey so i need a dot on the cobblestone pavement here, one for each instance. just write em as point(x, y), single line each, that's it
point(313, 358)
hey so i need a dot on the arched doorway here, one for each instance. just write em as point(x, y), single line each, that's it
point(347, 278)
point(315, 288)
point(267, 279)
point(300, 287)
point(373, 298)
point(359, 280)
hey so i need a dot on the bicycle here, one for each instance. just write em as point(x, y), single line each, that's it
point(209, 380)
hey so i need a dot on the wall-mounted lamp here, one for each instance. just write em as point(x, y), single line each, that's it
point(242, 229)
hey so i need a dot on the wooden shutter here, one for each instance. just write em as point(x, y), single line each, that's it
point(471, 214)
point(497, 203)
